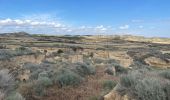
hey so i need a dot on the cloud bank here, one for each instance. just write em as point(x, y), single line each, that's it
point(48, 27)
point(49, 24)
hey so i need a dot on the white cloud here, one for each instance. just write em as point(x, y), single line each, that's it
point(137, 21)
point(49, 27)
point(124, 27)
point(49, 24)
point(82, 27)
point(21, 22)
point(101, 28)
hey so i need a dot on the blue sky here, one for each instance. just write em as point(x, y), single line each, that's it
point(136, 17)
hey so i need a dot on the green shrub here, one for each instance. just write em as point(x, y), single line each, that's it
point(165, 74)
point(39, 89)
point(31, 66)
point(110, 61)
point(23, 51)
point(44, 81)
point(41, 84)
point(43, 74)
point(60, 51)
point(109, 70)
point(127, 81)
point(109, 84)
point(131, 79)
point(66, 77)
point(120, 69)
point(15, 96)
point(145, 85)
point(98, 61)
point(5, 54)
point(83, 69)
point(6, 81)
point(167, 90)
point(150, 89)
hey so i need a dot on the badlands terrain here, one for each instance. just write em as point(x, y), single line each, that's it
point(40, 67)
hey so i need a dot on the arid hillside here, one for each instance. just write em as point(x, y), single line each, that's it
point(40, 67)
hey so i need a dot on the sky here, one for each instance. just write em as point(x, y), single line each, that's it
point(150, 18)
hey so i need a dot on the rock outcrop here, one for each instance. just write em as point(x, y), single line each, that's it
point(113, 95)
point(158, 62)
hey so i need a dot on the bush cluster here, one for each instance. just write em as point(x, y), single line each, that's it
point(83, 69)
point(119, 69)
point(66, 77)
point(145, 85)
point(7, 87)
point(109, 84)
point(165, 74)
point(72, 74)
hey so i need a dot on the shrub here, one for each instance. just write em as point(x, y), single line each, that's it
point(83, 69)
point(6, 81)
point(15, 96)
point(91, 54)
point(44, 81)
point(27, 89)
point(23, 51)
point(39, 89)
point(127, 81)
point(60, 51)
point(119, 69)
point(98, 61)
point(66, 77)
point(7, 86)
point(150, 89)
point(43, 74)
point(32, 67)
point(165, 74)
point(41, 84)
point(130, 80)
point(111, 61)
point(110, 70)
point(109, 84)
point(167, 90)
point(87, 60)
point(2, 46)
point(145, 85)
point(5, 54)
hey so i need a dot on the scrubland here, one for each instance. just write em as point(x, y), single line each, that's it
point(39, 67)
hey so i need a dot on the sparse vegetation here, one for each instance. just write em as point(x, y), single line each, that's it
point(56, 74)
point(84, 69)
point(15, 96)
point(60, 51)
point(165, 74)
point(110, 70)
point(144, 85)
point(8, 86)
point(109, 84)
point(120, 69)
point(6, 81)
point(66, 78)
